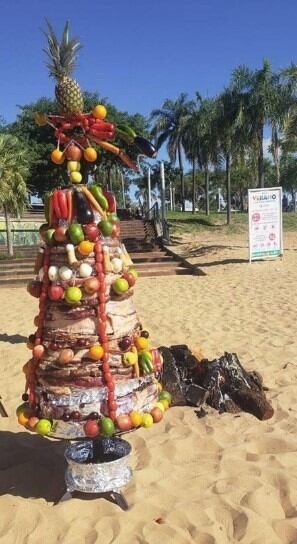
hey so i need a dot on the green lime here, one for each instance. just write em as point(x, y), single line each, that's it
point(107, 426)
point(165, 395)
point(43, 427)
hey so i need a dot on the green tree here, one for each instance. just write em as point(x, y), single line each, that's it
point(288, 171)
point(169, 124)
point(201, 142)
point(260, 90)
point(44, 175)
point(231, 133)
point(14, 168)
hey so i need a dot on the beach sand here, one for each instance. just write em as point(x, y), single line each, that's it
point(221, 479)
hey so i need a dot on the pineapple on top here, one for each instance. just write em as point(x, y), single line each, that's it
point(62, 57)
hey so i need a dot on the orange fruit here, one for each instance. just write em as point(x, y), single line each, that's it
point(141, 343)
point(38, 351)
point(85, 247)
point(165, 403)
point(136, 418)
point(90, 154)
point(99, 111)
point(23, 417)
point(96, 352)
point(57, 156)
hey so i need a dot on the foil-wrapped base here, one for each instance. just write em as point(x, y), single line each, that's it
point(86, 475)
point(139, 394)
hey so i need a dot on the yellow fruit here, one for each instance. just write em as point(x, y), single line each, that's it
point(99, 111)
point(160, 386)
point(147, 420)
point(75, 177)
point(57, 156)
point(96, 352)
point(165, 403)
point(160, 405)
point(23, 417)
point(136, 418)
point(141, 343)
point(85, 247)
point(90, 154)
point(73, 166)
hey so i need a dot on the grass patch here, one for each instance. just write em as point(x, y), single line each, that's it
point(186, 222)
point(180, 222)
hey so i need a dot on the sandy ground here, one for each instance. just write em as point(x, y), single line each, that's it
point(220, 479)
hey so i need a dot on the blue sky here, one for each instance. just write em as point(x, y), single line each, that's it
point(138, 53)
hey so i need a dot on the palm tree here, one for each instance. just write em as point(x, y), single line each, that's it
point(200, 142)
point(231, 133)
point(259, 89)
point(169, 126)
point(191, 142)
point(14, 169)
point(289, 75)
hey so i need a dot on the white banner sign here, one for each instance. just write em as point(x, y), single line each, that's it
point(265, 223)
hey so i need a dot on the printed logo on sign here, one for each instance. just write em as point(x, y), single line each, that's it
point(265, 196)
point(256, 217)
point(272, 236)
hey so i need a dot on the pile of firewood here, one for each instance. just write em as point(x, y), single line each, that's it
point(222, 383)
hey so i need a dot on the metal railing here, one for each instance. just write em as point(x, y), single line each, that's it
point(162, 228)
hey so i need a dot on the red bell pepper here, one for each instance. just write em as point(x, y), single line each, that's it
point(112, 204)
point(60, 204)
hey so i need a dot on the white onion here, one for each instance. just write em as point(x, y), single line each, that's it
point(53, 273)
point(117, 265)
point(65, 273)
point(85, 270)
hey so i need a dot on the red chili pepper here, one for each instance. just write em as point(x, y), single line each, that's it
point(56, 205)
point(62, 199)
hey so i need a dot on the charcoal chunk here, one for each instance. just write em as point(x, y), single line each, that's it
point(196, 395)
point(171, 379)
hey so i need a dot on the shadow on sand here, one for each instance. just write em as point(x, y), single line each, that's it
point(34, 467)
point(31, 466)
point(13, 338)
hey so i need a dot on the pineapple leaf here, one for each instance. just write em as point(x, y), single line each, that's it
point(62, 55)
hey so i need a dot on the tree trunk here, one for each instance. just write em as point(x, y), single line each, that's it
point(241, 199)
point(8, 232)
point(260, 156)
point(228, 187)
point(193, 187)
point(293, 200)
point(275, 153)
point(182, 182)
point(206, 177)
